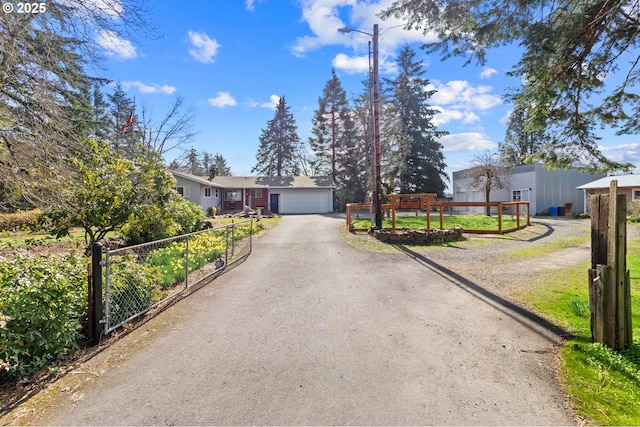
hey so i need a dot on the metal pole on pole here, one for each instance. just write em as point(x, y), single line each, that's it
point(377, 190)
point(96, 283)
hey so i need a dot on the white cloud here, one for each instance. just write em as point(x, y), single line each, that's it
point(222, 100)
point(204, 48)
point(445, 116)
point(115, 46)
point(351, 64)
point(488, 72)
point(623, 153)
point(634, 146)
point(250, 5)
point(324, 19)
point(460, 94)
point(147, 89)
point(466, 141)
point(272, 103)
point(88, 9)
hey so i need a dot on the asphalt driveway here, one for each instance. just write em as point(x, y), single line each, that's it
point(309, 330)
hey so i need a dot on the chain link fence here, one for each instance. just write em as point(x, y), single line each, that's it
point(140, 278)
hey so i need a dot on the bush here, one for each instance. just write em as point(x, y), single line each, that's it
point(188, 216)
point(20, 220)
point(154, 222)
point(212, 211)
point(43, 304)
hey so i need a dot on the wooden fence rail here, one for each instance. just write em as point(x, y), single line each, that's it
point(520, 210)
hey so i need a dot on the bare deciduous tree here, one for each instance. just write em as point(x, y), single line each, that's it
point(174, 130)
point(488, 174)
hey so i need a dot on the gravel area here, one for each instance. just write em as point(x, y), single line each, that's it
point(492, 260)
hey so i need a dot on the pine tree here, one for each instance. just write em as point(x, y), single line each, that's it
point(221, 165)
point(121, 107)
point(363, 126)
point(335, 144)
point(421, 164)
point(279, 145)
point(570, 51)
point(520, 145)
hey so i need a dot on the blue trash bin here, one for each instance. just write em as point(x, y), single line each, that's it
point(553, 211)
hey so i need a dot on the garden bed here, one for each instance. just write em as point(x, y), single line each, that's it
point(418, 237)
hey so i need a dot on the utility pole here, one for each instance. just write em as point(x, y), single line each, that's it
point(377, 187)
point(376, 199)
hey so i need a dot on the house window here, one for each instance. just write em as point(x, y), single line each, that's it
point(516, 196)
point(184, 191)
point(207, 192)
point(256, 193)
point(217, 194)
point(635, 194)
point(233, 195)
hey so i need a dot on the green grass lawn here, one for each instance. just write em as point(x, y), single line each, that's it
point(34, 238)
point(604, 385)
point(467, 222)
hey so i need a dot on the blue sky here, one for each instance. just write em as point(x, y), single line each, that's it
point(232, 60)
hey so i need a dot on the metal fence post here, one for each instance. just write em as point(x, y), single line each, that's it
point(226, 246)
point(233, 238)
point(96, 289)
point(186, 266)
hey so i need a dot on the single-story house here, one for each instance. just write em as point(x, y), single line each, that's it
point(543, 188)
point(284, 195)
point(628, 185)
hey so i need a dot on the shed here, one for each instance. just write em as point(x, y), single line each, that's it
point(543, 188)
point(627, 184)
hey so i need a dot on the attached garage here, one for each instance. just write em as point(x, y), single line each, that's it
point(300, 194)
point(301, 201)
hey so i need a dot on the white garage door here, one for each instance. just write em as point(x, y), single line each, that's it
point(305, 201)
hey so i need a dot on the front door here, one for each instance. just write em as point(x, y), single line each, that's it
point(274, 201)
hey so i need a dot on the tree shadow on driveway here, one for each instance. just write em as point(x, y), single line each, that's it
point(521, 315)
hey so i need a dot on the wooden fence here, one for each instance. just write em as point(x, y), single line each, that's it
point(609, 281)
point(519, 210)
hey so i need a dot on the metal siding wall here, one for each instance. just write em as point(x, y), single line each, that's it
point(558, 187)
point(524, 179)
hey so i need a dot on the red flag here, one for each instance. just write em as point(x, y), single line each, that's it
point(127, 125)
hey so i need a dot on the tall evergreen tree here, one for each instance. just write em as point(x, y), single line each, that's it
point(334, 142)
point(121, 107)
point(421, 168)
point(42, 82)
point(520, 145)
point(221, 165)
point(571, 50)
point(363, 126)
point(279, 145)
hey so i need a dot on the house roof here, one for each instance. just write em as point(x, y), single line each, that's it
point(197, 179)
point(274, 181)
point(623, 181)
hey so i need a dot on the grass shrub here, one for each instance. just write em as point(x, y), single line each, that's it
point(467, 222)
point(22, 220)
point(43, 304)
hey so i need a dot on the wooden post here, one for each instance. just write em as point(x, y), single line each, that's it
point(609, 284)
point(499, 218)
